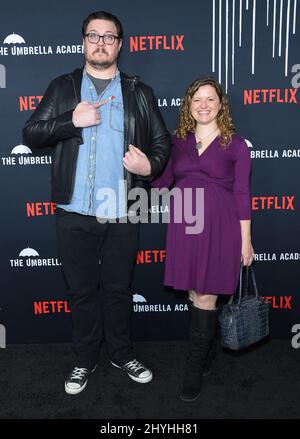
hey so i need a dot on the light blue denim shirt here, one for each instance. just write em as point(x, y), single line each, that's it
point(99, 162)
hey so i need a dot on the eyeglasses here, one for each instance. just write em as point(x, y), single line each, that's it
point(107, 38)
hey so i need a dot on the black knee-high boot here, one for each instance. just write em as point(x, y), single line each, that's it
point(211, 355)
point(202, 333)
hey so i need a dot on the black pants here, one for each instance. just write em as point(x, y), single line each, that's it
point(99, 295)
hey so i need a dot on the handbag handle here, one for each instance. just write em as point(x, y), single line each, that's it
point(247, 284)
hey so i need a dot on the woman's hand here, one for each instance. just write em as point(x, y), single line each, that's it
point(247, 253)
point(247, 249)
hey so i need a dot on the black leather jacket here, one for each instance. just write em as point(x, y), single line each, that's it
point(51, 126)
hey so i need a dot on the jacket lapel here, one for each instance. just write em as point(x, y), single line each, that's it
point(76, 77)
point(128, 92)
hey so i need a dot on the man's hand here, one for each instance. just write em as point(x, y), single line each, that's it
point(86, 115)
point(136, 161)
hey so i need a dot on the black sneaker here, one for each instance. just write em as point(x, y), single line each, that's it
point(77, 380)
point(136, 371)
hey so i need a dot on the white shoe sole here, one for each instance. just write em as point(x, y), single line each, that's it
point(138, 380)
point(75, 391)
point(80, 389)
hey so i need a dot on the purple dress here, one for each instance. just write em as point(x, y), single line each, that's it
point(207, 262)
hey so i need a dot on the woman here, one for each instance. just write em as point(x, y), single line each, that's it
point(208, 154)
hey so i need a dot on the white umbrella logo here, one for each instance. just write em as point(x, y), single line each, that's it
point(249, 144)
point(14, 39)
point(21, 149)
point(28, 252)
point(138, 298)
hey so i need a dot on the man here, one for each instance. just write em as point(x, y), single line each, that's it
point(105, 128)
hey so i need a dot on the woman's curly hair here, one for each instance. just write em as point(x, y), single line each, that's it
point(224, 120)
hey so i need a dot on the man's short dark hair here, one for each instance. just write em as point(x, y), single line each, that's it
point(102, 15)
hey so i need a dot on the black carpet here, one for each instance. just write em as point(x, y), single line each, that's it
point(262, 382)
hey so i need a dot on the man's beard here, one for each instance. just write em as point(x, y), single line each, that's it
point(98, 64)
point(101, 65)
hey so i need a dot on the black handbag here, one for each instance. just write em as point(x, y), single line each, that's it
point(244, 320)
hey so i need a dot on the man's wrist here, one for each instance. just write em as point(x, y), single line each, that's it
point(74, 120)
